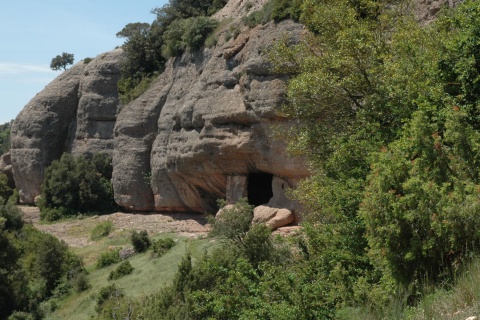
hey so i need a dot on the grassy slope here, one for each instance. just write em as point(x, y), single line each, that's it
point(149, 274)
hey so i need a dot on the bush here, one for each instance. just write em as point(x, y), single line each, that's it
point(5, 137)
point(80, 282)
point(108, 258)
point(74, 185)
point(124, 269)
point(140, 241)
point(233, 221)
point(186, 33)
point(5, 190)
point(102, 229)
point(107, 293)
point(12, 216)
point(161, 246)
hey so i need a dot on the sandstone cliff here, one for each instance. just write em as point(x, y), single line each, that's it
point(75, 113)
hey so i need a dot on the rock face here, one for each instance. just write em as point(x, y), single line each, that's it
point(427, 10)
point(206, 119)
point(74, 113)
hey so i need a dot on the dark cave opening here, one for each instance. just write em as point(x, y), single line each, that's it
point(259, 188)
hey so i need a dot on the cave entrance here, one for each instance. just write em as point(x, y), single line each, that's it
point(259, 188)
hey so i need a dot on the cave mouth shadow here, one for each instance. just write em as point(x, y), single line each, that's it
point(259, 188)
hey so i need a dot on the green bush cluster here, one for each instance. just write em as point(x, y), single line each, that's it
point(75, 185)
point(34, 267)
point(275, 10)
point(101, 230)
point(186, 33)
point(108, 258)
point(140, 241)
point(388, 121)
point(5, 191)
point(161, 246)
point(124, 269)
point(179, 25)
point(5, 137)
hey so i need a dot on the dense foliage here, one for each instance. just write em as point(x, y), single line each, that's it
point(140, 241)
point(76, 185)
point(5, 137)
point(388, 116)
point(179, 25)
point(34, 266)
point(62, 61)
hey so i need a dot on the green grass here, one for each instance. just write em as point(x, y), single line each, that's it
point(149, 274)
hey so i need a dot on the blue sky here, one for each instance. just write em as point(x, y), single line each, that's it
point(33, 32)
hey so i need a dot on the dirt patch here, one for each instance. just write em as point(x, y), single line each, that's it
point(76, 232)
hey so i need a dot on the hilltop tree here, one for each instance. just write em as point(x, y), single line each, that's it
point(61, 61)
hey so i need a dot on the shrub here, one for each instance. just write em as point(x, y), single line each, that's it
point(130, 89)
point(87, 60)
point(108, 258)
point(233, 221)
point(186, 33)
point(140, 241)
point(107, 293)
point(12, 216)
point(5, 190)
point(161, 246)
point(80, 282)
point(75, 184)
point(5, 137)
point(124, 269)
point(102, 229)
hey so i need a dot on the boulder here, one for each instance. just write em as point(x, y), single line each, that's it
point(273, 217)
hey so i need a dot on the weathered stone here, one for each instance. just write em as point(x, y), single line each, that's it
point(273, 217)
point(203, 120)
point(75, 113)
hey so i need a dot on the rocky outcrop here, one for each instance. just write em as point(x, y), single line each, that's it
point(74, 113)
point(208, 117)
point(273, 218)
point(427, 10)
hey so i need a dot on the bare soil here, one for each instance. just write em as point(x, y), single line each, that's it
point(76, 232)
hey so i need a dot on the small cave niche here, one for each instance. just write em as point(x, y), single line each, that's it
point(259, 188)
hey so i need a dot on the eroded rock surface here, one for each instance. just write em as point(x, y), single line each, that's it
point(75, 113)
point(207, 117)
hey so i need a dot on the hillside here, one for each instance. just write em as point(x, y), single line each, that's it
point(355, 122)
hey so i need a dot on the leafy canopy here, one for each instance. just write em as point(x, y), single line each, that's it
point(61, 61)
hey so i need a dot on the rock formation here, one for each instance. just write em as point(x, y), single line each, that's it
point(75, 113)
point(206, 120)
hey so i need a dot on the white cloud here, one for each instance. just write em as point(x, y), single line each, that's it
point(20, 68)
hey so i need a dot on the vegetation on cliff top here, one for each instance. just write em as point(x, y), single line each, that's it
point(179, 25)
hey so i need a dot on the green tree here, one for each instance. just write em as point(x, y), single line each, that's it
point(421, 203)
point(61, 61)
point(5, 137)
point(76, 184)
